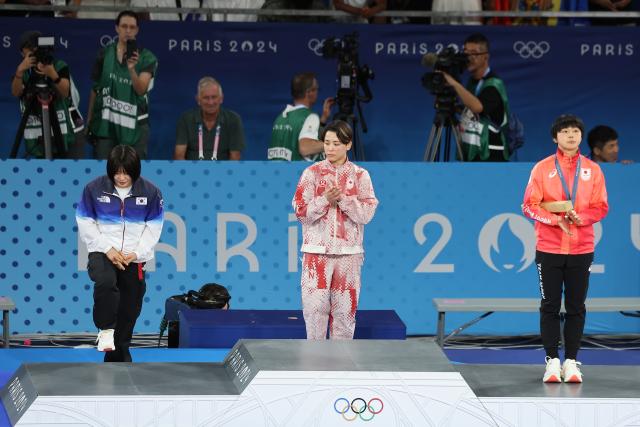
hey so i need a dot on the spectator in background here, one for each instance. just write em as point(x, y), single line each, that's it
point(457, 6)
point(233, 4)
point(484, 118)
point(603, 142)
point(119, 103)
point(409, 5)
point(160, 16)
point(293, 4)
point(27, 3)
point(613, 6)
point(295, 131)
point(361, 10)
point(209, 132)
point(120, 4)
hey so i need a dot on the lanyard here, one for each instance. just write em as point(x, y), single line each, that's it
point(481, 81)
point(565, 187)
point(216, 143)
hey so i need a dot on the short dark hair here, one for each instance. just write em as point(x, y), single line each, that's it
point(600, 135)
point(342, 130)
point(130, 13)
point(301, 83)
point(29, 39)
point(566, 121)
point(477, 38)
point(123, 157)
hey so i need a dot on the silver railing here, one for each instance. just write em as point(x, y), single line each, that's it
point(321, 13)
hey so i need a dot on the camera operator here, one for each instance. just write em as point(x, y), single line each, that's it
point(486, 105)
point(118, 103)
point(41, 67)
point(295, 131)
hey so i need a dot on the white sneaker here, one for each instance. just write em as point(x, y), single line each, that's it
point(552, 372)
point(105, 340)
point(571, 372)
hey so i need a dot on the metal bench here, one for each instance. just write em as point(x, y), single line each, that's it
point(6, 305)
point(626, 306)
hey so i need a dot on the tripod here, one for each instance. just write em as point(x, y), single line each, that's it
point(353, 120)
point(445, 123)
point(39, 93)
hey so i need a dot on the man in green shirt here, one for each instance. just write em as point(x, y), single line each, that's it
point(295, 131)
point(209, 132)
point(118, 103)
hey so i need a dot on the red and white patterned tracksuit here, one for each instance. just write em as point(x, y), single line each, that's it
point(332, 246)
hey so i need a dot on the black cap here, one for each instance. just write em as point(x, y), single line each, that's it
point(29, 39)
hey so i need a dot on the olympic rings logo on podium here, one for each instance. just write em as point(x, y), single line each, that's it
point(359, 407)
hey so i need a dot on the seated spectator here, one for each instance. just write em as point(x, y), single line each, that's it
point(409, 5)
point(155, 16)
point(293, 4)
point(361, 10)
point(233, 4)
point(613, 6)
point(120, 4)
point(603, 142)
point(457, 6)
point(209, 132)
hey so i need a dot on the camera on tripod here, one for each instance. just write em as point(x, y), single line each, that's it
point(449, 61)
point(444, 127)
point(351, 75)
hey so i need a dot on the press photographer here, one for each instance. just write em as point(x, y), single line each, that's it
point(352, 78)
point(50, 125)
point(483, 120)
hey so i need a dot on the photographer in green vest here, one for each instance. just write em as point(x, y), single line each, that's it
point(484, 119)
point(118, 104)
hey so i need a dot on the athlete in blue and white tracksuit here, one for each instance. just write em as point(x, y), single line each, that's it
point(120, 226)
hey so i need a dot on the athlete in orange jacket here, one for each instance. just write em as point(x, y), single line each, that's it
point(565, 241)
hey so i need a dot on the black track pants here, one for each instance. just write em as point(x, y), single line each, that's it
point(117, 301)
point(558, 273)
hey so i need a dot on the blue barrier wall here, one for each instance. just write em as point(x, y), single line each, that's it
point(441, 230)
point(590, 71)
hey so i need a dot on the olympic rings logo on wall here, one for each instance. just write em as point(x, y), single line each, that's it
point(531, 49)
point(358, 408)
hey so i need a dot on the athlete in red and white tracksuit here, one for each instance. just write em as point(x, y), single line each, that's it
point(332, 245)
point(565, 243)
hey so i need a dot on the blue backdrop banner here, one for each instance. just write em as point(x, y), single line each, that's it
point(588, 71)
point(441, 230)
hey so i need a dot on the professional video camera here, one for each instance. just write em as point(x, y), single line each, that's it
point(351, 77)
point(449, 61)
point(445, 122)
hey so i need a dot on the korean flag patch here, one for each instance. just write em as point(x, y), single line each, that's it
point(141, 201)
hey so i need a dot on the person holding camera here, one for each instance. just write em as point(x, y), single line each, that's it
point(209, 132)
point(486, 106)
point(334, 200)
point(40, 71)
point(295, 131)
point(565, 196)
point(118, 103)
point(120, 217)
